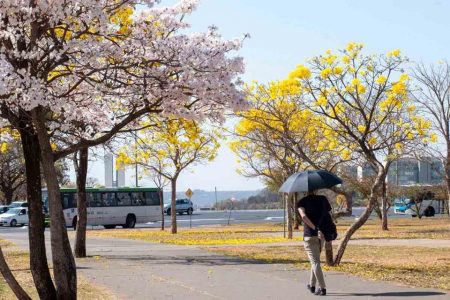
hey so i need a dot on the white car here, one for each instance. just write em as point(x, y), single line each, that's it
point(182, 206)
point(15, 216)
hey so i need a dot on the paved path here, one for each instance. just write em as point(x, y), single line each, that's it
point(141, 270)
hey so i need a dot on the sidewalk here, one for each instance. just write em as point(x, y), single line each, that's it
point(141, 270)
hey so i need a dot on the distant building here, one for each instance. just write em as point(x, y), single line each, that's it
point(411, 171)
point(404, 171)
point(367, 171)
point(109, 173)
point(350, 171)
point(109, 169)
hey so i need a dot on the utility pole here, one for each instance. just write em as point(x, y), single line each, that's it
point(215, 192)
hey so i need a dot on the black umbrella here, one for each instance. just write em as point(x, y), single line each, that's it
point(307, 181)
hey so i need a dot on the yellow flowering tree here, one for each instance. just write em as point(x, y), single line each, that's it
point(279, 136)
point(364, 101)
point(170, 147)
point(12, 171)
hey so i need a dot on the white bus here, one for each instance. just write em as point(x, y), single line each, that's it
point(111, 207)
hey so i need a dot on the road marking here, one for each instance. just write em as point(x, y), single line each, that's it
point(273, 218)
point(199, 220)
point(193, 220)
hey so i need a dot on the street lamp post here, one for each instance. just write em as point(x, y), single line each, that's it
point(231, 208)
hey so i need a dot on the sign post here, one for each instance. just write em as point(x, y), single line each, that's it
point(189, 194)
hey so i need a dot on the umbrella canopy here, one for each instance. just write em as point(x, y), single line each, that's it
point(308, 181)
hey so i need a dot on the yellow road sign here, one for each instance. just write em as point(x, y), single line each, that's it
point(189, 193)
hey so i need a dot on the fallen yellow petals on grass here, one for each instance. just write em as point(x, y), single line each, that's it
point(242, 235)
point(414, 266)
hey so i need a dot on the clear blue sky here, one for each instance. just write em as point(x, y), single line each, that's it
point(285, 33)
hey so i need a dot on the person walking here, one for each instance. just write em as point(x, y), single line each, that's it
point(313, 209)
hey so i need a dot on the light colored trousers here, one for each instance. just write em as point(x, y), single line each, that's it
point(313, 247)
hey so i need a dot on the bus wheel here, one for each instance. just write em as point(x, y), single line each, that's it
point(74, 223)
point(189, 211)
point(130, 222)
point(429, 211)
point(109, 226)
point(13, 223)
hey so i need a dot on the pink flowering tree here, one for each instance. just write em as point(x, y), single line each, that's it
point(76, 72)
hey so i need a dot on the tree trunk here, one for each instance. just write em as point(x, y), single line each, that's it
point(161, 204)
point(290, 216)
point(378, 209)
point(11, 280)
point(81, 170)
point(38, 258)
point(361, 220)
point(329, 253)
point(384, 207)
point(448, 194)
point(64, 269)
point(173, 205)
point(8, 194)
point(296, 213)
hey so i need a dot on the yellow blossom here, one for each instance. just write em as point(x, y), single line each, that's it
point(3, 147)
point(325, 73)
point(381, 79)
point(301, 72)
point(346, 154)
point(346, 59)
point(321, 101)
point(393, 53)
point(337, 70)
point(433, 138)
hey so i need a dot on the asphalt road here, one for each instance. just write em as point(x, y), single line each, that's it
point(203, 218)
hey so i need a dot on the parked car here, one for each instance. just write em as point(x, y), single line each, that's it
point(182, 206)
point(427, 208)
point(18, 204)
point(15, 216)
point(3, 209)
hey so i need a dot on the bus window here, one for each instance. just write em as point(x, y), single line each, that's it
point(45, 198)
point(109, 199)
point(68, 201)
point(123, 199)
point(137, 198)
point(95, 200)
point(152, 198)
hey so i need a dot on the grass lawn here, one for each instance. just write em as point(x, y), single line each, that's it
point(413, 266)
point(19, 263)
point(404, 228)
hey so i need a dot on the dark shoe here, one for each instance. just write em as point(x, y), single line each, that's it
point(321, 292)
point(311, 288)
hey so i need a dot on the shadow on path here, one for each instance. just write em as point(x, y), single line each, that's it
point(389, 294)
point(208, 260)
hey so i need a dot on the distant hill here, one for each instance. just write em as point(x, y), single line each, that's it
point(208, 198)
